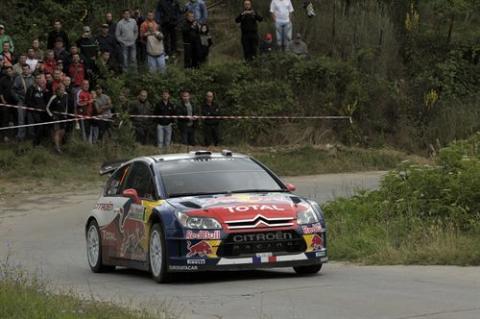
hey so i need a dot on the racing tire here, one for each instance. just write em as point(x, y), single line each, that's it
point(157, 257)
point(94, 249)
point(307, 270)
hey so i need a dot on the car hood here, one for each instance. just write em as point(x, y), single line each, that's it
point(245, 211)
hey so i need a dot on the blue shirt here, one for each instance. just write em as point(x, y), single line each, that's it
point(199, 10)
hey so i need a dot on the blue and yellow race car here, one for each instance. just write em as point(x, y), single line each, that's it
point(202, 211)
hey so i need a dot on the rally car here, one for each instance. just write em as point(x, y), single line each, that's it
point(202, 211)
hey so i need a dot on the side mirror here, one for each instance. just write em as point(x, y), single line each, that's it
point(132, 193)
point(291, 187)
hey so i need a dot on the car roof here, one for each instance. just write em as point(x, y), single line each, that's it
point(191, 155)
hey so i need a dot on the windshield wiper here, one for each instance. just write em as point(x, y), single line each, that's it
point(193, 194)
point(257, 191)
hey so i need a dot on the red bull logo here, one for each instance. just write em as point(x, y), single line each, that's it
point(201, 249)
point(317, 242)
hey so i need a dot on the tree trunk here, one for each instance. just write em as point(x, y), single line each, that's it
point(450, 28)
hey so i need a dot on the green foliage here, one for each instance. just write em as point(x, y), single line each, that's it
point(24, 297)
point(420, 214)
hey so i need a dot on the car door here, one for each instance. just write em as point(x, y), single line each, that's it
point(133, 226)
point(110, 211)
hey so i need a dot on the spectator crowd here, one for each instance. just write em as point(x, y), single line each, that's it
point(62, 78)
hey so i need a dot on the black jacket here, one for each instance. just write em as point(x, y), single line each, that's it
point(109, 44)
point(191, 33)
point(54, 35)
point(248, 23)
point(164, 109)
point(213, 110)
point(60, 105)
point(168, 12)
point(6, 86)
point(181, 109)
point(37, 99)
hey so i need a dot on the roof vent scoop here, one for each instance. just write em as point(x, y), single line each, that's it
point(201, 153)
point(227, 153)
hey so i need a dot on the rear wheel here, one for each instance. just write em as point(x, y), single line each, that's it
point(157, 255)
point(94, 249)
point(307, 270)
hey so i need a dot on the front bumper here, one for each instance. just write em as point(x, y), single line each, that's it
point(188, 254)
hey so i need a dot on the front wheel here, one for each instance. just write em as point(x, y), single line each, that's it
point(157, 255)
point(94, 249)
point(307, 270)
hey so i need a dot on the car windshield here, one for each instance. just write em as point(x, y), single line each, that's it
point(211, 175)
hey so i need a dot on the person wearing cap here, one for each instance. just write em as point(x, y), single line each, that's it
point(267, 46)
point(5, 38)
point(57, 33)
point(127, 33)
point(248, 20)
point(108, 43)
point(299, 47)
point(88, 47)
point(281, 11)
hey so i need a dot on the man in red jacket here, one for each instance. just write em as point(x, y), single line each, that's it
point(85, 108)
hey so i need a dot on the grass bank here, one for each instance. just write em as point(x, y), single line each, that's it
point(422, 214)
point(24, 298)
point(38, 170)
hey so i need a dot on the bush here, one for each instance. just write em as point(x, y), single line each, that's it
point(420, 214)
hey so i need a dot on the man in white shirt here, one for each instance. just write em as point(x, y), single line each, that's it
point(281, 11)
point(32, 60)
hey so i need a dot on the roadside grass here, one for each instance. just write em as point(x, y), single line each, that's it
point(22, 297)
point(421, 214)
point(25, 169)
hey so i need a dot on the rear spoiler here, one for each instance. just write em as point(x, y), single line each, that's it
point(110, 167)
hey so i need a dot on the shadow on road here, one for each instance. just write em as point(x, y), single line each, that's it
point(213, 276)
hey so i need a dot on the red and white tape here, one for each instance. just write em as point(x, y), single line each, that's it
point(77, 116)
point(36, 124)
point(247, 117)
point(194, 117)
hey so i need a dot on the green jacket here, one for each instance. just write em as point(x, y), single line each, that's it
point(6, 38)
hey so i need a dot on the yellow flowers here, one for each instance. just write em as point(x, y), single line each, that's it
point(430, 99)
point(413, 18)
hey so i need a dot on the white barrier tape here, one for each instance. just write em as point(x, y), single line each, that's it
point(77, 116)
point(36, 124)
point(200, 117)
point(247, 117)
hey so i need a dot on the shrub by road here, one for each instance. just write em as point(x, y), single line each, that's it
point(422, 214)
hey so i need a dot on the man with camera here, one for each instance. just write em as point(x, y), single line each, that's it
point(248, 20)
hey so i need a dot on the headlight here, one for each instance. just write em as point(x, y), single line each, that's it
point(307, 216)
point(194, 222)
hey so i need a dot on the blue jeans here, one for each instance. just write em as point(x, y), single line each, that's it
point(164, 135)
point(129, 57)
point(156, 63)
point(284, 34)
